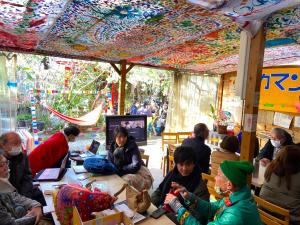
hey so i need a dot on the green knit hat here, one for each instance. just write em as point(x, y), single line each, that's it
point(237, 171)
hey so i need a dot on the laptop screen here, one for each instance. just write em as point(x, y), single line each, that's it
point(63, 164)
point(54, 173)
point(94, 147)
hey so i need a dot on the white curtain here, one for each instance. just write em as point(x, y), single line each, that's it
point(189, 102)
point(8, 95)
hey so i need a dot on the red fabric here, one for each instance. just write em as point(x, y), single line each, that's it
point(89, 119)
point(113, 94)
point(48, 153)
point(86, 202)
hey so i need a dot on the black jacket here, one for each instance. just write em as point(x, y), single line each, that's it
point(193, 183)
point(131, 160)
point(202, 151)
point(20, 175)
point(268, 150)
point(21, 178)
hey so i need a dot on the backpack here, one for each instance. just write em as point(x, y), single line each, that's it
point(99, 165)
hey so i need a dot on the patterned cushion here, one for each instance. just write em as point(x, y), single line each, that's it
point(86, 202)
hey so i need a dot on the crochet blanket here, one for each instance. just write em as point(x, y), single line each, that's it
point(85, 200)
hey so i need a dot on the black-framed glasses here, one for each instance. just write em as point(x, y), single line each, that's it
point(3, 163)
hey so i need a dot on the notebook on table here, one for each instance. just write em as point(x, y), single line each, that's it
point(79, 169)
point(92, 150)
point(53, 174)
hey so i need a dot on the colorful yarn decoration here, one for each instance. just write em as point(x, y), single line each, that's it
point(34, 120)
point(73, 195)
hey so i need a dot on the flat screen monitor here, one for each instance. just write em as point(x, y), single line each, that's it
point(135, 124)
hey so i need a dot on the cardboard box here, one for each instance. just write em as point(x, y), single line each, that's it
point(114, 219)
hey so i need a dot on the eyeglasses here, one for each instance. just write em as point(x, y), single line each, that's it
point(3, 164)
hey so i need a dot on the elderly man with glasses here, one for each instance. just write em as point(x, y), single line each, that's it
point(20, 172)
point(15, 209)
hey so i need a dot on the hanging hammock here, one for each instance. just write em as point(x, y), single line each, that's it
point(88, 119)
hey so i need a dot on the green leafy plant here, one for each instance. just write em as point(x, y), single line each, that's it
point(24, 117)
point(213, 113)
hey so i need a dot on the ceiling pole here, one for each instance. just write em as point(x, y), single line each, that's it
point(252, 90)
point(122, 84)
point(220, 93)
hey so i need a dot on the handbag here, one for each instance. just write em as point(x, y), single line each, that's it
point(137, 201)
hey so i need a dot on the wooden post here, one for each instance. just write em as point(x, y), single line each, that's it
point(122, 72)
point(220, 93)
point(122, 83)
point(253, 76)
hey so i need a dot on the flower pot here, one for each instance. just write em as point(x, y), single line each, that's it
point(222, 129)
point(40, 125)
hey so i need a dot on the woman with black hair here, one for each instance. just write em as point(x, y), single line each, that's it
point(186, 172)
point(125, 155)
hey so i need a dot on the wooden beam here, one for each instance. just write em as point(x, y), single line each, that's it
point(129, 67)
point(220, 93)
point(85, 58)
point(116, 68)
point(122, 84)
point(54, 54)
point(253, 76)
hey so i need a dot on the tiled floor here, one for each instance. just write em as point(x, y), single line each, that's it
point(153, 149)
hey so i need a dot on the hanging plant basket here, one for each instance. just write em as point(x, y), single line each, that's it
point(222, 129)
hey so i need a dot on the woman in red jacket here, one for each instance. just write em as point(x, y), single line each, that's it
point(49, 153)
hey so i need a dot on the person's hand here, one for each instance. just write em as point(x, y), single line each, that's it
point(173, 202)
point(264, 161)
point(180, 189)
point(169, 198)
point(37, 213)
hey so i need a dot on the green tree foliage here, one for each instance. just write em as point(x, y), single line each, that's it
point(145, 84)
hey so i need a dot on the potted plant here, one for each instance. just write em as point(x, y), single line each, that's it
point(214, 115)
point(24, 120)
point(220, 120)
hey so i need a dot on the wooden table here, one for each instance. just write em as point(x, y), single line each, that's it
point(114, 184)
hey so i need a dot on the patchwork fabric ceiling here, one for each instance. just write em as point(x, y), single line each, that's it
point(162, 33)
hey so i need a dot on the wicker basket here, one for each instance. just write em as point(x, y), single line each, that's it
point(222, 129)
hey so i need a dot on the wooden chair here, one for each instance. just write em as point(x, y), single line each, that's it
point(166, 138)
point(268, 212)
point(182, 136)
point(209, 178)
point(171, 149)
point(145, 158)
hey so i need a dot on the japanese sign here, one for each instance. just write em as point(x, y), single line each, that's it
point(280, 89)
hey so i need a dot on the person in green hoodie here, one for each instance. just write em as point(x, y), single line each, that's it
point(237, 209)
